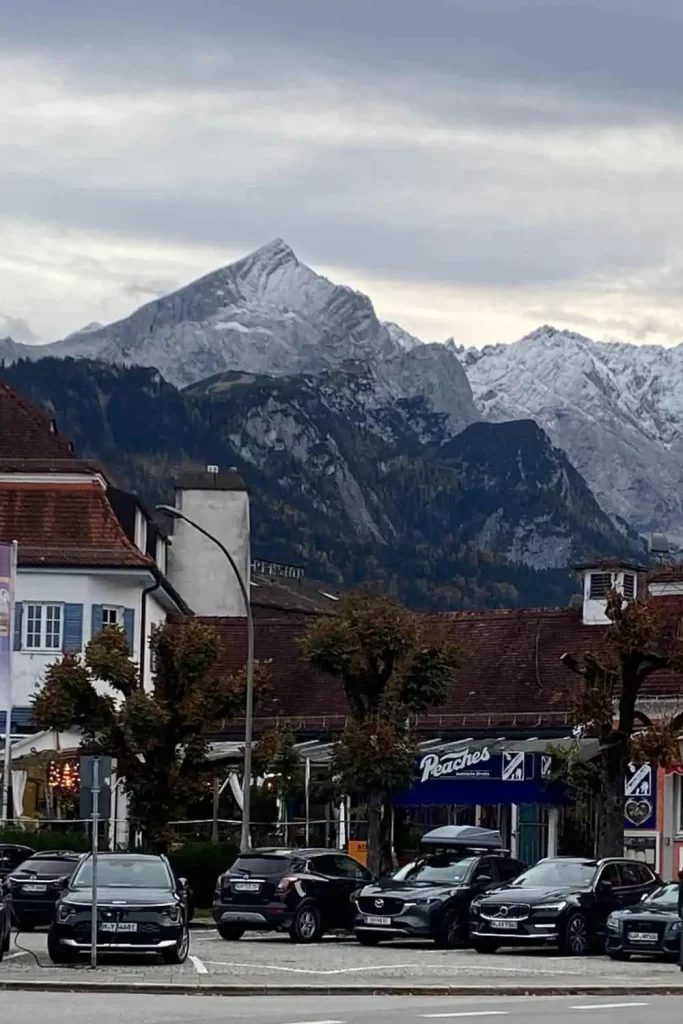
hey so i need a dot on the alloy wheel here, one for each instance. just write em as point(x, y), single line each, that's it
point(577, 937)
point(307, 924)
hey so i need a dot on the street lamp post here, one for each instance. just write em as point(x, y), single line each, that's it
point(245, 841)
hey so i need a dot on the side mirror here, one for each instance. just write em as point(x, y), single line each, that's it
point(645, 896)
point(183, 884)
point(64, 881)
point(605, 887)
point(483, 880)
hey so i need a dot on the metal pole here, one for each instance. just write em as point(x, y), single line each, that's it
point(245, 842)
point(307, 787)
point(7, 762)
point(95, 791)
point(216, 798)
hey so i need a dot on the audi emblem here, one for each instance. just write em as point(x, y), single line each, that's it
point(379, 903)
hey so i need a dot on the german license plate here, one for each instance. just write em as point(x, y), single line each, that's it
point(504, 926)
point(119, 926)
point(379, 921)
point(247, 886)
point(34, 888)
point(643, 936)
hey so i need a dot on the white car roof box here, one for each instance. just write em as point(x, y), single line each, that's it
point(472, 836)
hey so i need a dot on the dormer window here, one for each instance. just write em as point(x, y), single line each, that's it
point(598, 581)
point(600, 585)
point(629, 586)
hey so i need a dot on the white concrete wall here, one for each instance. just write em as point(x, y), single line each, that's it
point(84, 588)
point(196, 566)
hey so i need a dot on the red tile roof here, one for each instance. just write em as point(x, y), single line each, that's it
point(27, 431)
point(510, 672)
point(65, 524)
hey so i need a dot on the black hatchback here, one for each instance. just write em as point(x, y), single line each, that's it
point(303, 892)
point(649, 928)
point(141, 908)
point(561, 901)
point(36, 884)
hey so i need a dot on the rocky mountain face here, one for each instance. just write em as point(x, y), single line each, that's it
point(615, 409)
point(356, 489)
point(271, 314)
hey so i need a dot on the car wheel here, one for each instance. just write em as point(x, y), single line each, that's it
point(230, 932)
point(178, 954)
point(307, 925)
point(484, 945)
point(58, 953)
point(618, 955)
point(450, 934)
point(574, 941)
point(368, 939)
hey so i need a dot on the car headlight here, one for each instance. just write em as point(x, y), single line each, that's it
point(65, 911)
point(424, 901)
point(559, 905)
point(614, 923)
point(675, 927)
point(171, 913)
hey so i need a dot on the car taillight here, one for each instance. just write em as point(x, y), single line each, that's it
point(286, 883)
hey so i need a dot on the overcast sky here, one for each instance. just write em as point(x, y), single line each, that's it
point(479, 167)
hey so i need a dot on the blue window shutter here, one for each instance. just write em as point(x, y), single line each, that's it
point(73, 627)
point(18, 617)
point(129, 626)
point(96, 621)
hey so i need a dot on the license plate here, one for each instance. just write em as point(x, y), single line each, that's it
point(247, 886)
point(119, 926)
point(643, 936)
point(504, 926)
point(379, 921)
point(34, 888)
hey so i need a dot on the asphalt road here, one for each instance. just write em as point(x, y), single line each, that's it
point(274, 960)
point(27, 1008)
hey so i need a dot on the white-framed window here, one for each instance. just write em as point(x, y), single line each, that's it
point(678, 802)
point(111, 615)
point(43, 627)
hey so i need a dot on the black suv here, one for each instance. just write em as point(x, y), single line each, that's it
point(430, 899)
point(651, 927)
point(11, 856)
point(560, 901)
point(35, 886)
point(304, 892)
point(141, 908)
point(5, 922)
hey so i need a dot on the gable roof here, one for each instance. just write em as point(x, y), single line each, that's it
point(510, 672)
point(65, 524)
point(27, 431)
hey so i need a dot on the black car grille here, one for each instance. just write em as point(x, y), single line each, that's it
point(388, 906)
point(507, 911)
point(646, 926)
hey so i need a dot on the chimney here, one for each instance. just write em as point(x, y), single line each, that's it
point(599, 578)
point(219, 503)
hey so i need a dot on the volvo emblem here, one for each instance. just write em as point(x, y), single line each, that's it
point(503, 912)
point(379, 903)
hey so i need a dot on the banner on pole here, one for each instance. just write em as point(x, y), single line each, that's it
point(6, 608)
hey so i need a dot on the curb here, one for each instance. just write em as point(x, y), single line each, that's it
point(182, 988)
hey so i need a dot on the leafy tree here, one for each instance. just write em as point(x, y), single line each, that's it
point(393, 665)
point(157, 736)
point(639, 642)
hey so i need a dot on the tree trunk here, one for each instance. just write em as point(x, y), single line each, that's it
point(611, 806)
point(375, 832)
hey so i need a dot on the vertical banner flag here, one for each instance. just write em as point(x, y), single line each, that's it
point(6, 639)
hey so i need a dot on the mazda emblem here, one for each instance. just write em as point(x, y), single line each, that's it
point(379, 903)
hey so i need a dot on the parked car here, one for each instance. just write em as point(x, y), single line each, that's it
point(5, 922)
point(11, 856)
point(305, 892)
point(36, 884)
point(141, 908)
point(430, 898)
point(650, 927)
point(561, 901)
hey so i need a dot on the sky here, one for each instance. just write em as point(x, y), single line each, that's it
point(478, 167)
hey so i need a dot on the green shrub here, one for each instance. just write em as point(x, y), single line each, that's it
point(54, 839)
point(201, 864)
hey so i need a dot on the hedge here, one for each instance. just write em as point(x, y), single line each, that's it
point(44, 840)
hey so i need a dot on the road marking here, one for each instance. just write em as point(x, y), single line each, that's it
point(310, 970)
point(320, 1022)
point(606, 1006)
point(465, 1013)
point(11, 956)
point(198, 965)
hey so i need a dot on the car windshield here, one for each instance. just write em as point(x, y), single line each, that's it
point(667, 894)
point(124, 873)
point(560, 873)
point(45, 868)
point(440, 868)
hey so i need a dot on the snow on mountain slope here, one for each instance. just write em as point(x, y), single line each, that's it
point(616, 409)
point(271, 314)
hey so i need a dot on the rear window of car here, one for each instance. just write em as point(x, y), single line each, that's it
point(46, 868)
point(262, 866)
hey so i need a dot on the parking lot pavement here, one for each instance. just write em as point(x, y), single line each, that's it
point(274, 960)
